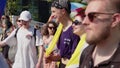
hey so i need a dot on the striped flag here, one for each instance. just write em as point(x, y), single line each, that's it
point(2, 6)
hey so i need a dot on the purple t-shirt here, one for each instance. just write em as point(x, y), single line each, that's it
point(67, 43)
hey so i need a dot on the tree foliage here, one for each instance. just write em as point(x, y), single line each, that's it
point(13, 7)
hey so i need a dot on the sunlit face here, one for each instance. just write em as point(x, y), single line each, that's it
point(19, 24)
point(25, 23)
point(3, 17)
point(4, 25)
point(51, 29)
point(57, 14)
point(78, 29)
point(97, 29)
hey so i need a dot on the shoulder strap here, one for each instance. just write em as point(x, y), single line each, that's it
point(16, 32)
point(35, 34)
point(35, 39)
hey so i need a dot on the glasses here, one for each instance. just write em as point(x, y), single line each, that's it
point(18, 20)
point(51, 27)
point(76, 22)
point(93, 15)
point(57, 5)
point(2, 18)
point(23, 21)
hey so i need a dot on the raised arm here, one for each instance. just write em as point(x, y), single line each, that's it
point(2, 43)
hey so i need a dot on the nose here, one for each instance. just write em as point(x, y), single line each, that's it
point(85, 21)
point(73, 25)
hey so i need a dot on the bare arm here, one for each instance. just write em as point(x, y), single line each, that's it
point(2, 43)
point(41, 52)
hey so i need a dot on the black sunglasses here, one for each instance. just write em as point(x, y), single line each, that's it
point(57, 5)
point(93, 15)
point(18, 20)
point(76, 22)
point(51, 27)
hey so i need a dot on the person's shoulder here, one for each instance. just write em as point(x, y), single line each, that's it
point(89, 49)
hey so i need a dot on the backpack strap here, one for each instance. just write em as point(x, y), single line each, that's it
point(16, 33)
point(35, 34)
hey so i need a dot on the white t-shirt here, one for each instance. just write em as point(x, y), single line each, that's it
point(26, 56)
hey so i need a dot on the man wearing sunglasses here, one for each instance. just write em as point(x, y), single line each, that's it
point(26, 55)
point(102, 26)
point(67, 41)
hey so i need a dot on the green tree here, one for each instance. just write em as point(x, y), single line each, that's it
point(13, 7)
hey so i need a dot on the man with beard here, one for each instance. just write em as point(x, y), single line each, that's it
point(102, 26)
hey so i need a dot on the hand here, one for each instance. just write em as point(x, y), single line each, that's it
point(51, 18)
point(37, 65)
point(2, 44)
point(53, 57)
point(47, 60)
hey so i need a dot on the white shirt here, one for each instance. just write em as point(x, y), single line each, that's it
point(26, 51)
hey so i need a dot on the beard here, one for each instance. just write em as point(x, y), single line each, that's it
point(95, 39)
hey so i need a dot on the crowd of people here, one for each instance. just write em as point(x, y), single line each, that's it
point(90, 40)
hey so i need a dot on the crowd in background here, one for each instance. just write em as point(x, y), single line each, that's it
point(90, 40)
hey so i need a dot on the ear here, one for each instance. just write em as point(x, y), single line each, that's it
point(63, 11)
point(116, 20)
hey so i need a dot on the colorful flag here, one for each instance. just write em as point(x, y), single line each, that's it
point(2, 6)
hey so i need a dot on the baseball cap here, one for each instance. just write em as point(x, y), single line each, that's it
point(25, 15)
point(60, 4)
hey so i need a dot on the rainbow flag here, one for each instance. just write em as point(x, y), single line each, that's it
point(2, 6)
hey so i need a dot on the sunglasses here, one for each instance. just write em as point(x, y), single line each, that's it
point(57, 5)
point(93, 15)
point(51, 27)
point(2, 18)
point(76, 22)
point(18, 20)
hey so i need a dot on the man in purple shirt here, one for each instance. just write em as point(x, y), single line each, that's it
point(67, 41)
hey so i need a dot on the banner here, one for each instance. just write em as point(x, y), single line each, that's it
point(2, 6)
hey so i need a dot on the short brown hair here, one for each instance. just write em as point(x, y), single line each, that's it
point(112, 5)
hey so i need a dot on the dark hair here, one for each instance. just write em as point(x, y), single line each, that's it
point(44, 30)
point(55, 25)
point(8, 22)
point(7, 17)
